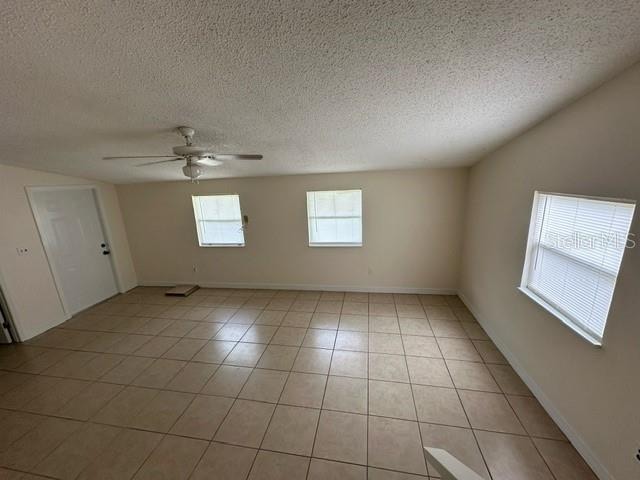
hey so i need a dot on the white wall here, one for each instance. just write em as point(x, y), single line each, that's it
point(590, 148)
point(27, 280)
point(412, 225)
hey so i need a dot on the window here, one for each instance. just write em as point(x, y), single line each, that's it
point(335, 218)
point(573, 256)
point(218, 220)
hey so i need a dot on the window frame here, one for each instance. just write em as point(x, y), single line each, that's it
point(336, 244)
point(556, 310)
point(196, 210)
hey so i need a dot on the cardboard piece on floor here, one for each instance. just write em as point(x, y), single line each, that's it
point(182, 290)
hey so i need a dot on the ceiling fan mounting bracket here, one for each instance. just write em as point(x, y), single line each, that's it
point(187, 133)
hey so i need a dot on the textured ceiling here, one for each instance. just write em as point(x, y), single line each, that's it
point(316, 86)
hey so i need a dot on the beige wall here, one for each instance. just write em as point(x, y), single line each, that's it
point(412, 225)
point(27, 280)
point(590, 148)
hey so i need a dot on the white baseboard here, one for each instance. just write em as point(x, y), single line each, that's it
point(580, 445)
point(299, 286)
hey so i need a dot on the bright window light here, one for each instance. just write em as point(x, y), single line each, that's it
point(218, 220)
point(335, 218)
point(574, 251)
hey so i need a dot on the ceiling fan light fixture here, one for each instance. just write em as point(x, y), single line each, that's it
point(192, 171)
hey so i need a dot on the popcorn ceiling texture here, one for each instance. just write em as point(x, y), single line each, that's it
point(316, 86)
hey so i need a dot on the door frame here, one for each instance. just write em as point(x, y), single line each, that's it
point(105, 228)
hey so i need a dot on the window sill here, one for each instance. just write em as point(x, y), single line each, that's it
point(335, 245)
point(222, 245)
point(596, 342)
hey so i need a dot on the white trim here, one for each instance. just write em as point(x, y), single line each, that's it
point(107, 233)
point(576, 440)
point(300, 286)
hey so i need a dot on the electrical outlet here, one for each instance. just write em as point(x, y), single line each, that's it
point(195, 268)
point(22, 251)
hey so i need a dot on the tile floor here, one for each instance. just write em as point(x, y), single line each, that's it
point(236, 384)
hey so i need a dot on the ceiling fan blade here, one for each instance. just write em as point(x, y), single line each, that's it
point(236, 156)
point(138, 156)
point(159, 161)
point(207, 162)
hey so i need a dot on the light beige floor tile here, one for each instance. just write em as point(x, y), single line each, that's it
point(246, 423)
point(227, 381)
point(156, 347)
point(130, 344)
point(420, 346)
point(204, 331)
point(127, 370)
point(327, 306)
point(429, 371)
point(47, 358)
point(159, 373)
point(123, 456)
point(383, 324)
point(180, 328)
point(439, 405)
point(292, 430)
point(410, 311)
point(280, 304)
point(329, 470)
point(279, 466)
point(346, 394)
point(327, 321)
point(458, 349)
point(382, 309)
point(232, 332)
point(380, 298)
point(123, 408)
point(447, 329)
point(278, 357)
point(197, 313)
point(192, 377)
point(388, 367)
point(304, 306)
point(355, 308)
point(391, 399)
point(173, 458)
point(396, 445)
point(297, 319)
point(185, 349)
point(490, 411)
point(508, 380)
point(202, 417)
point(459, 442)
point(220, 315)
point(51, 400)
point(270, 317)
point(354, 323)
point(471, 376)
point(385, 343)
point(77, 451)
point(31, 388)
point(512, 457)
point(245, 354)
point(313, 360)
point(224, 462)
point(440, 312)
point(342, 437)
point(291, 336)
point(304, 390)
point(214, 351)
point(29, 450)
point(154, 326)
point(379, 474)
point(415, 326)
point(317, 338)
point(406, 299)
point(355, 341)
point(264, 385)
point(489, 352)
point(259, 334)
point(88, 402)
point(474, 331)
point(349, 364)
point(356, 297)
point(534, 418)
point(162, 411)
point(563, 460)
point(245, 316)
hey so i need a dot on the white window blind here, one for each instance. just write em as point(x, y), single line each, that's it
point(574, 253)
point(335, 218)
point(218, 220)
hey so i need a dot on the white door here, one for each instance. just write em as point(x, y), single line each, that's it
point(76, 245)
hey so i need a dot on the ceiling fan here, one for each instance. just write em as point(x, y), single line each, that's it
point(196, 157)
